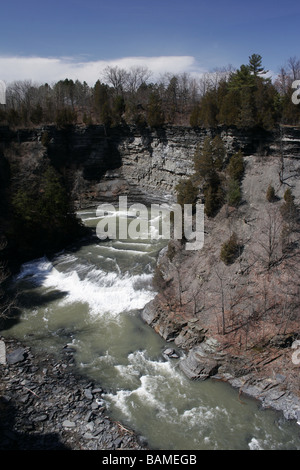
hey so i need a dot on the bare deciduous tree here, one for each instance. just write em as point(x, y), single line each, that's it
point(270, 238)
point(294, 67)
point(117, 77)
point(136, 77)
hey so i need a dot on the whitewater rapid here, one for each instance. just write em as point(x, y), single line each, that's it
point(104, 292)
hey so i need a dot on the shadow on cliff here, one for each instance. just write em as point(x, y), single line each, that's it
point(10, 439)
point(94, 150)
point(23, 300)
point(148, 134)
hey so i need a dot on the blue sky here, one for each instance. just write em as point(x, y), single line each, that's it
point(79, 38)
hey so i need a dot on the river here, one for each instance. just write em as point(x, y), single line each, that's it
point(91, 297)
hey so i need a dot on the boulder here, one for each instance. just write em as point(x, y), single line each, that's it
point(170, 352)
point(198, 365)
point(18, 355)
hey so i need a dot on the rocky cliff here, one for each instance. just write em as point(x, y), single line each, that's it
point(147, 164)
point(144, 163)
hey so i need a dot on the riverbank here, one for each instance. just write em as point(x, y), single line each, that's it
point(46, 405)
point(269, 376)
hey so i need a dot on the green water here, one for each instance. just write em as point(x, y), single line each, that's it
point(92, 297)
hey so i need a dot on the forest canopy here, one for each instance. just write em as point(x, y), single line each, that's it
point(245, 97)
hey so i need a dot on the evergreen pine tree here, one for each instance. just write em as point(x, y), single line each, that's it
point(230, 250)
point(236, 167)
point(255, 65)
point(218, 152)
point(203, 160)
point(155, 115)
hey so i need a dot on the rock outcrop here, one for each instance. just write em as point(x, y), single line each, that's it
point(144, 163)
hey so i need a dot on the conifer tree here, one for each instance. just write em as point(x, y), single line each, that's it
point(234, 195)
point(236, 166)
point(255, 65)
point(289, 210)
point(229, 109)
point(155, 115)
point(203, 160)
point(218, 152)
point(230, 250)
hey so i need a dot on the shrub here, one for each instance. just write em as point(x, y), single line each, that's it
point(186, 192)
point(230, 250)
point(270, 194)
point(236, 166)
point(234, 195)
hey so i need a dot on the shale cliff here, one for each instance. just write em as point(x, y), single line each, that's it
point(144, 163)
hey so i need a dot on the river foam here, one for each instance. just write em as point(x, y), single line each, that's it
point(105, 293)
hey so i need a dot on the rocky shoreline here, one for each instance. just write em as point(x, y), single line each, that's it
point(273, 390)
point(45, 405)
point(267, 376)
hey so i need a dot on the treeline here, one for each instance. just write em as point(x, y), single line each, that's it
point(242, 97)
point(249, 99)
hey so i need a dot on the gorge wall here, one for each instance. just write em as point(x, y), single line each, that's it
point(146, 164)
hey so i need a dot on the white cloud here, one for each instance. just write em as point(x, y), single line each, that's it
point(50, 70)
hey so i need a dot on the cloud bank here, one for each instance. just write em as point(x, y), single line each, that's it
point(51, 69)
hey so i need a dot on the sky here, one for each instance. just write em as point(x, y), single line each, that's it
point(47, 41)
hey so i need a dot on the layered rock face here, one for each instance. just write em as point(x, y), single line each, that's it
point(146, 164)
